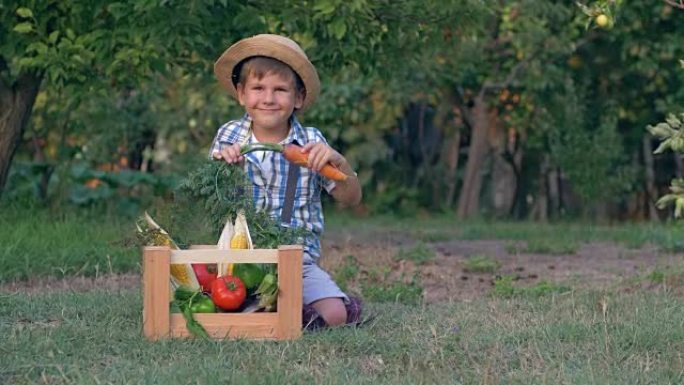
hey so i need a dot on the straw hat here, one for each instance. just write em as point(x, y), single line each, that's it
point(274, 46)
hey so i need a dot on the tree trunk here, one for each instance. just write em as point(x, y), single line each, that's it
point(453, 150)
point(16, 103)
point(651, 191)
point(540, 210)
point(679, 163)
point(469, 199)
point(554, 184)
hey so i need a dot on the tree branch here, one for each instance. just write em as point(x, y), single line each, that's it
point(461, 103)
point(512, 75)
point(672, 3)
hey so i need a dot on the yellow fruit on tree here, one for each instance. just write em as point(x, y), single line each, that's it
point(602, 20)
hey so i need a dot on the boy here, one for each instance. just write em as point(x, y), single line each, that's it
point(272, 78)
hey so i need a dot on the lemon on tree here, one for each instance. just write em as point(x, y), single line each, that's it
point(602, 20)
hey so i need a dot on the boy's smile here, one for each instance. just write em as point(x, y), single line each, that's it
point(269, 101)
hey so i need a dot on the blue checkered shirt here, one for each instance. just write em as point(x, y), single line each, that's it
point(268, 172)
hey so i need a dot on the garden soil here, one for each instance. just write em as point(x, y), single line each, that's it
point(444, 276)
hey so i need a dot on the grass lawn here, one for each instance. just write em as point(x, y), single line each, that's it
point(573, 338)
point(546, 333)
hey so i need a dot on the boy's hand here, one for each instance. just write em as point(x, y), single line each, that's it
point(320, 154)
point(230, 153)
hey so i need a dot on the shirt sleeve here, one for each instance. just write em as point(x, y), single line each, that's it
point(226, 134)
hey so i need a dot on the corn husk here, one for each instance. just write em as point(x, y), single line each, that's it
point(234, 236)
point(155, 235)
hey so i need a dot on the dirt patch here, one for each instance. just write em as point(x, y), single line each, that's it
point(111, 282)
point(445, 277)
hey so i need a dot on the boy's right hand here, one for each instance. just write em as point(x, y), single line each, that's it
point(230, 153)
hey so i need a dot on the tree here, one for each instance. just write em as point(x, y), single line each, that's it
point(103, 45)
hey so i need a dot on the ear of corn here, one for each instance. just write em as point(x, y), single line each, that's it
point(154, 235)
point(234, 237)
point(224, 244)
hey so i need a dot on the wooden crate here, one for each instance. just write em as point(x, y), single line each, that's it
point(284, 324)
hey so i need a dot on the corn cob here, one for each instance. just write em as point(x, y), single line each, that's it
point(154, 235)
point(224, 244)
point(239, 239)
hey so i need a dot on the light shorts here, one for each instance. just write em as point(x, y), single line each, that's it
point(318, 284)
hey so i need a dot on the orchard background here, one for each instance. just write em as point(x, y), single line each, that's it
point(512, 109)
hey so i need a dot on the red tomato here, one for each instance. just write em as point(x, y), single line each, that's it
point(228, 292)
point(204, 276)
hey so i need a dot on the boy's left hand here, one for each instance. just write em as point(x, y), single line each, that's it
point(320, 154)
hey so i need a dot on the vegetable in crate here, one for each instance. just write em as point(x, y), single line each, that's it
point(267, 293)
point(222, 190)
point(186, 298)
point(205, 275)
point(234, 237)
point(151, 234)
point(250, 274)
point(203, 305)
point(228, 292)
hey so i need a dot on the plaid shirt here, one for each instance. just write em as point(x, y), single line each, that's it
point(268, 172)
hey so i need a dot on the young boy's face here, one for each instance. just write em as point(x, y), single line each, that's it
point(270, 101)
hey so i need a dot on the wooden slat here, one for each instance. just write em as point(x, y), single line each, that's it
point(199, 247)
point(290, 292)
point(219, 256)
point(227, 325)
point(156, 275)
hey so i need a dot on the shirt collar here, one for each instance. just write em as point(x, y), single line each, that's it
point(295, 135)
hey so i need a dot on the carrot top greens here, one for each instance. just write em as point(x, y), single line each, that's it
point(217, 191)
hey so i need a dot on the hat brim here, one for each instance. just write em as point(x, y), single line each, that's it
point(274, 46)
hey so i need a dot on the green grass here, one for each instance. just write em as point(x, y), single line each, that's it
point(547, 246)
point(95, 338)
point(40, 243)
point(419, 254)
point(481, 264)
point(440, 228)
point(505, 287)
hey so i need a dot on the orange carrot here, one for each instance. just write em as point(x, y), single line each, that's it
point(293, 154)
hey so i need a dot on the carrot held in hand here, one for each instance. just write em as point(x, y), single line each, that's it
point(293, 154)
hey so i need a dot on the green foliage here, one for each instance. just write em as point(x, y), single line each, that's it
point(481, 264)
point(120, 81)
point(591, 154)
point(671, 136)
point(217, 191)
point(419, 254)
point(504, 287)
point(670, 133)
point(222, 190)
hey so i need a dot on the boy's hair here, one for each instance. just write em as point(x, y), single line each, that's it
point(260, 66)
